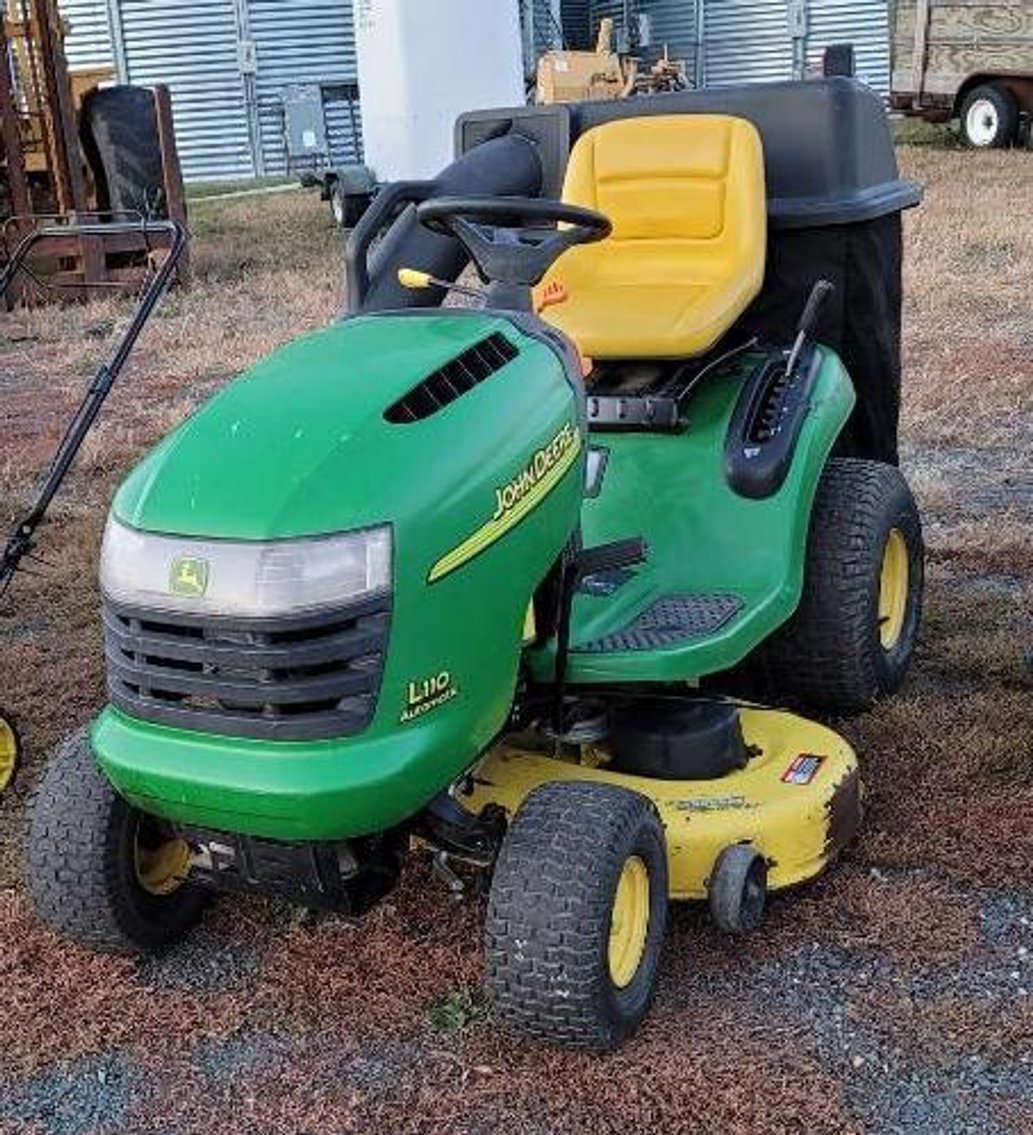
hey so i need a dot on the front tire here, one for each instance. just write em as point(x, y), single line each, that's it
point(851, 638)
point(98, 870)
point(576, 915)
point(989, 117)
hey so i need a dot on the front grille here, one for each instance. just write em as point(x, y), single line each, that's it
point(289, 679)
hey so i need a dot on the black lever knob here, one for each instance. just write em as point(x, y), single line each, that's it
point(815, 302)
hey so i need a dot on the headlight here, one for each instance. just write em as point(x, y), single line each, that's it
point(236, 577)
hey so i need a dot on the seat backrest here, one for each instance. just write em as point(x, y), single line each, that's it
point(686, 197)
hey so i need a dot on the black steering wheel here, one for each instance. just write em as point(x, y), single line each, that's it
point(512, 240)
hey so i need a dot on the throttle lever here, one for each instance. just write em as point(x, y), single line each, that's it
point(808, 319)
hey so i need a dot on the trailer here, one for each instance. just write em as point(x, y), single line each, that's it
point(958, 59)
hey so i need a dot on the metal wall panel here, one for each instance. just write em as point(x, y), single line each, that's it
point(308, 41)
point(542, 31)
point(673, 23)
point(750, 41)
point(746, 41)
point(617, 9)
point(865, 24)
point(88, 43)
point(576, 20)
point(191, 45)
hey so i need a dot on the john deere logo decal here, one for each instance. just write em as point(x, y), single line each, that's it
point(189, 576)
point(516, 498)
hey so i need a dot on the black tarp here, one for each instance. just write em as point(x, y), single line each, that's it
point(835, 197)
point(860, 321)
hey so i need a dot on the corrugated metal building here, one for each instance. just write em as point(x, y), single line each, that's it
point(227, 61)
point(89, 42)
point(737, 41)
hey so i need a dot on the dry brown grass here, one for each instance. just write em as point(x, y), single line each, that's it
point(949, 763)
point(62, 1002)
point(968, 315)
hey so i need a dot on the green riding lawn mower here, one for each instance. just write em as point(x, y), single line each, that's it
point(509, 584)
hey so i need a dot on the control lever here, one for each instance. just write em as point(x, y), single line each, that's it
point(584, 562)
point(805, 327)
point(416, 280)
point(609, 557)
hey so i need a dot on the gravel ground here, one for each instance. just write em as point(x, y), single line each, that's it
point(909, 1045)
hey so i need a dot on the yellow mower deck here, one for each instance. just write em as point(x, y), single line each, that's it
point(798, 802)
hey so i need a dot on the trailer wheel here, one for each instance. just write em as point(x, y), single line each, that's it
point(119, 129)
point(852, 636)
point(346, 208)
point(989, 117)
point(576, 915)
point(99, 871)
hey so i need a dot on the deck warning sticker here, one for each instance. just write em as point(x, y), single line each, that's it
point(803, 769)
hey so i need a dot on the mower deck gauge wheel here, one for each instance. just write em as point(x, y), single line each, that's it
point(738, 889)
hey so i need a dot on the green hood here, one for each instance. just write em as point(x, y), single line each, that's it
point(298, 444)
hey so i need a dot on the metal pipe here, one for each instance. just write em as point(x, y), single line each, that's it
point(20, 542)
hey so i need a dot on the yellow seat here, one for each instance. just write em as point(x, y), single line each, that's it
point(686, 197)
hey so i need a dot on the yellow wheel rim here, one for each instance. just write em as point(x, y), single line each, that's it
point(161, 870)
point(629, 922)
point(8, 753)
point(893, 588)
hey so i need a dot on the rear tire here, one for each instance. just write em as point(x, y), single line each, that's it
point(119, 128)
point(834, 655)
point(576, 915)
point(989, 117)
point(10, 751)
point(83, 859)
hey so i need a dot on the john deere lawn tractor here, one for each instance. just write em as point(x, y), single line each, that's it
point(475, 581)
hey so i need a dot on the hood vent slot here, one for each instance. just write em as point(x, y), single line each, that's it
point(452, 380)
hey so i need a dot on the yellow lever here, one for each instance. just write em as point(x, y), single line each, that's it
point(414, 278)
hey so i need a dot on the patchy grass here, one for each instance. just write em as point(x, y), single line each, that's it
point(457, 1010)
point(916, 132)
point(893, 994)
point(203, 190)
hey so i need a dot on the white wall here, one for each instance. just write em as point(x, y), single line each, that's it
point(421, 64)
